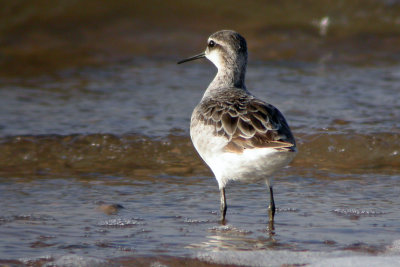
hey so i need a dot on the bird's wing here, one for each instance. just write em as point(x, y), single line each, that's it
point(247, 123)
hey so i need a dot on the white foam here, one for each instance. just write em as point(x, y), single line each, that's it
point(262, 258)
point(76, 260)
point(360, 261)
point(391, 258)
point(356, 212)
point(394, 248)
point(121, 222)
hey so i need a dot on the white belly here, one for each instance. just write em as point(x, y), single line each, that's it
point(253, 165)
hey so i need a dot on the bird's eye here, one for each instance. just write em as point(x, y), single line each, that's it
point(211, 43)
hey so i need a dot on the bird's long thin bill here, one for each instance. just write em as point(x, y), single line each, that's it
point(202, 55)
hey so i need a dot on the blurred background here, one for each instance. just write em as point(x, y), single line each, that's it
point(95, 113)
point(46, 36)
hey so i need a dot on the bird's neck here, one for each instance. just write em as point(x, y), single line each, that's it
point(228, 78)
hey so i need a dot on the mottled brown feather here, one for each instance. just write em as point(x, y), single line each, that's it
point(229, 123)
point(246, 123)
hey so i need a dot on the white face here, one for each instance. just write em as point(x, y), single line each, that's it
point(214, 56)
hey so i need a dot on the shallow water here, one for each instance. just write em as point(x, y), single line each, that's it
point(154, 98)
point(76, 145)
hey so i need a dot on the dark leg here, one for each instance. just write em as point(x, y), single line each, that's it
point(271, 205)
point(223, 204)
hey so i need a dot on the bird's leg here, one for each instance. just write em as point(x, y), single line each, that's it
point(223, 205)
point(271, 209)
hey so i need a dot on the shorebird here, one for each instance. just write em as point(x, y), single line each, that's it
point(239, 136)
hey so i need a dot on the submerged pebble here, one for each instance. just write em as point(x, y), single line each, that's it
point(110, 209)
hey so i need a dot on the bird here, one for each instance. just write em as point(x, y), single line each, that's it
point(240, 137)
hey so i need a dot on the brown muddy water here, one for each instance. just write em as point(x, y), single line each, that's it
point(97, 169)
